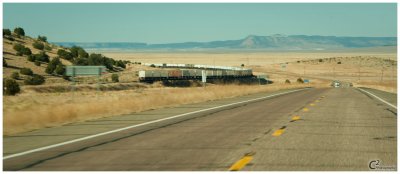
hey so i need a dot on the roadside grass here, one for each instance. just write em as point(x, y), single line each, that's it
point(58, 88)
point(388, 86)
point(31, 111)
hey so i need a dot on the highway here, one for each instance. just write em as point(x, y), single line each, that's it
point(322, 129)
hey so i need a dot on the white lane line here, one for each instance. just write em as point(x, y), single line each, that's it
point(138, 125)
point(379, 98)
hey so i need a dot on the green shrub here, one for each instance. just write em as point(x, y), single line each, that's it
point(19, 31)
point(83, 53)
point(121, 64)
point(42, 38)
point(15, 75)
point(108, 63)
point(81, 61)
point(47, 47)
point(19, 53)
point(60, 70)
point(10, 38)
point(114, 78)
point(287, 81)
point(31, 58)
point(26, 71)
point(10, 87)
point(34, 80)
point(37, 63)
point(79, 52)
point(65, 54)
point(300, 80)
point(52, 65)
point(42, 56)
point(98, 59)
point(38, 45)
point(152, 65)
point(6, 32)
point(26, 51)
point(18, 47)
point(4, 62)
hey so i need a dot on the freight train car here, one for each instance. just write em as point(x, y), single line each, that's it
point(187, 74)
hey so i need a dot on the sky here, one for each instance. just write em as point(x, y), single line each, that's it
point(183, 22)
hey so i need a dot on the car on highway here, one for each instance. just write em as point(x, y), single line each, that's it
point(335, 84)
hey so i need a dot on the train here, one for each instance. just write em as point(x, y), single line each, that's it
point(193, 66)
point(192, 74)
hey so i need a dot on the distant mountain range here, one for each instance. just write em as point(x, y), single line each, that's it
point(273, 42)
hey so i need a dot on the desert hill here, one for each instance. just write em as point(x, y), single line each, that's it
point(16, 62)
point(37, 54)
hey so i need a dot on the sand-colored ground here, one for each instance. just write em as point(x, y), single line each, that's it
point(236, 58)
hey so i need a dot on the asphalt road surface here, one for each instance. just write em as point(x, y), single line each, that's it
point(313, 129)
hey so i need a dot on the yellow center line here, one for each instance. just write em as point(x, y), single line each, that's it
point(305, 109)
point(312, 104)
point(278, 132)
point(241, 163)
point(295, 118)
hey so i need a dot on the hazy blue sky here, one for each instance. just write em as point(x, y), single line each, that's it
point(165, 23)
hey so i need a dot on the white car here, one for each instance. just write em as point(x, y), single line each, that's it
point(336, 84)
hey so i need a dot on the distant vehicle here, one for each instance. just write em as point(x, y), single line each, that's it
point(336, 84)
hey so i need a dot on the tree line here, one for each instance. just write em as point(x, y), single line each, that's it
point(78, 56)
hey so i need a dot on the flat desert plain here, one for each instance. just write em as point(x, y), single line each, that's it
point(370, 67)
point(236, 58)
